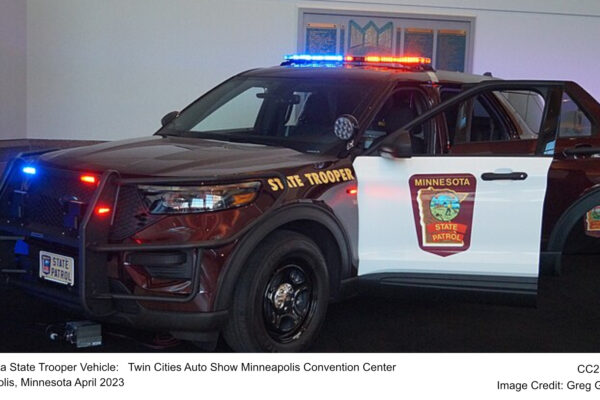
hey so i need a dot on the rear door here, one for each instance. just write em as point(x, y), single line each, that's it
point(470, 220)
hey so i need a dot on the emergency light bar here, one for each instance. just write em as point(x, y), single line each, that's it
point(371, 59)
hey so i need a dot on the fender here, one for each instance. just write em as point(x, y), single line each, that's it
point(566, 223)
point(285, 214)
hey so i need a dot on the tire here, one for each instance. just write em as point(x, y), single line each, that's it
point(281, 297)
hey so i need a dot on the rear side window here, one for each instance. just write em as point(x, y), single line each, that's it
point(573, 121)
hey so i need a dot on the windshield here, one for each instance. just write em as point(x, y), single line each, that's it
point(289, 112)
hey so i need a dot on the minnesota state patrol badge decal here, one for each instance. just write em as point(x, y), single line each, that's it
point(443, 210)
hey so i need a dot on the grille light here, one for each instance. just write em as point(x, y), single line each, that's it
point(102, 210)
point(29, 170)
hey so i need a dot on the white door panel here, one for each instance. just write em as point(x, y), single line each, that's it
point(506, 216)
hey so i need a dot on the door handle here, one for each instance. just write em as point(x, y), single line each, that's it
point(509, 176)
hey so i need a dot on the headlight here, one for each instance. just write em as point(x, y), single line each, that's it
point(197, 199)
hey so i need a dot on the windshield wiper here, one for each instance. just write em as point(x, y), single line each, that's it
point(263, 140)
point(238, 138)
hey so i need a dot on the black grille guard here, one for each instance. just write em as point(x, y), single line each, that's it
point(93, 246)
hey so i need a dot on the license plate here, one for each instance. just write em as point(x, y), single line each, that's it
point(57, 268)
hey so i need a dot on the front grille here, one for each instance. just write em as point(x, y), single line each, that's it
point(131, 215)
point(41, 201)
point(43, 198)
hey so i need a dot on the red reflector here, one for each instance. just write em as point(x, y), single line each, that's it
point(88, 179)
point(352, 191)
point(102, 210)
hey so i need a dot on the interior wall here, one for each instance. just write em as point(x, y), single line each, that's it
point(111, 69)
point(12, 69)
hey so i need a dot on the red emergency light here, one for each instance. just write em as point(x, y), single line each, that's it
point(88, 179)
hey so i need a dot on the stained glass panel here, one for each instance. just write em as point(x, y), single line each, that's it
point(321, 39)
point(418, 42)
point(451, 48)
point(447, 40)
point(370, 38)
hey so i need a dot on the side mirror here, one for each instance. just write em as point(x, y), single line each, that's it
point(396, 145)
point(345, 127)
point(169, 117)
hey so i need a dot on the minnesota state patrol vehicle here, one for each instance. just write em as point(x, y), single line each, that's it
point(284, 188)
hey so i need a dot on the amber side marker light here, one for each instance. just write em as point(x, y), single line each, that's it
point(243, 198)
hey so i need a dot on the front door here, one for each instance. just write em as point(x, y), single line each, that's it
point(471, 221)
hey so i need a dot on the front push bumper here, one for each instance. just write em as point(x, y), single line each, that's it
point(116, 305)
point(95, 293)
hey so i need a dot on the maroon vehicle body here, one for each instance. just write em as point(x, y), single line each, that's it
point(196, 303)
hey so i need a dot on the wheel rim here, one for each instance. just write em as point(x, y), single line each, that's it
point(289, 302)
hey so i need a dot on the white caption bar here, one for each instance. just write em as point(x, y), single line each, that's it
point(299, 376)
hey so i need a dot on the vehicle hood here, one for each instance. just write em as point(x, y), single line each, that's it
point(174, 156)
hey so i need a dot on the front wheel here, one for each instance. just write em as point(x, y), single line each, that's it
point(280, 301)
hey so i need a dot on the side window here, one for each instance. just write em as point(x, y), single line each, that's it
point(400, 108)
point(573, 122)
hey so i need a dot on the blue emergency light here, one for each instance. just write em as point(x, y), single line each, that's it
point(29, 170)
point(314, 57)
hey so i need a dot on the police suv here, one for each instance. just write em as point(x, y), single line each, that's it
point(284, 188)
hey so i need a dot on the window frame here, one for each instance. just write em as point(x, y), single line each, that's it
point(548, 131)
